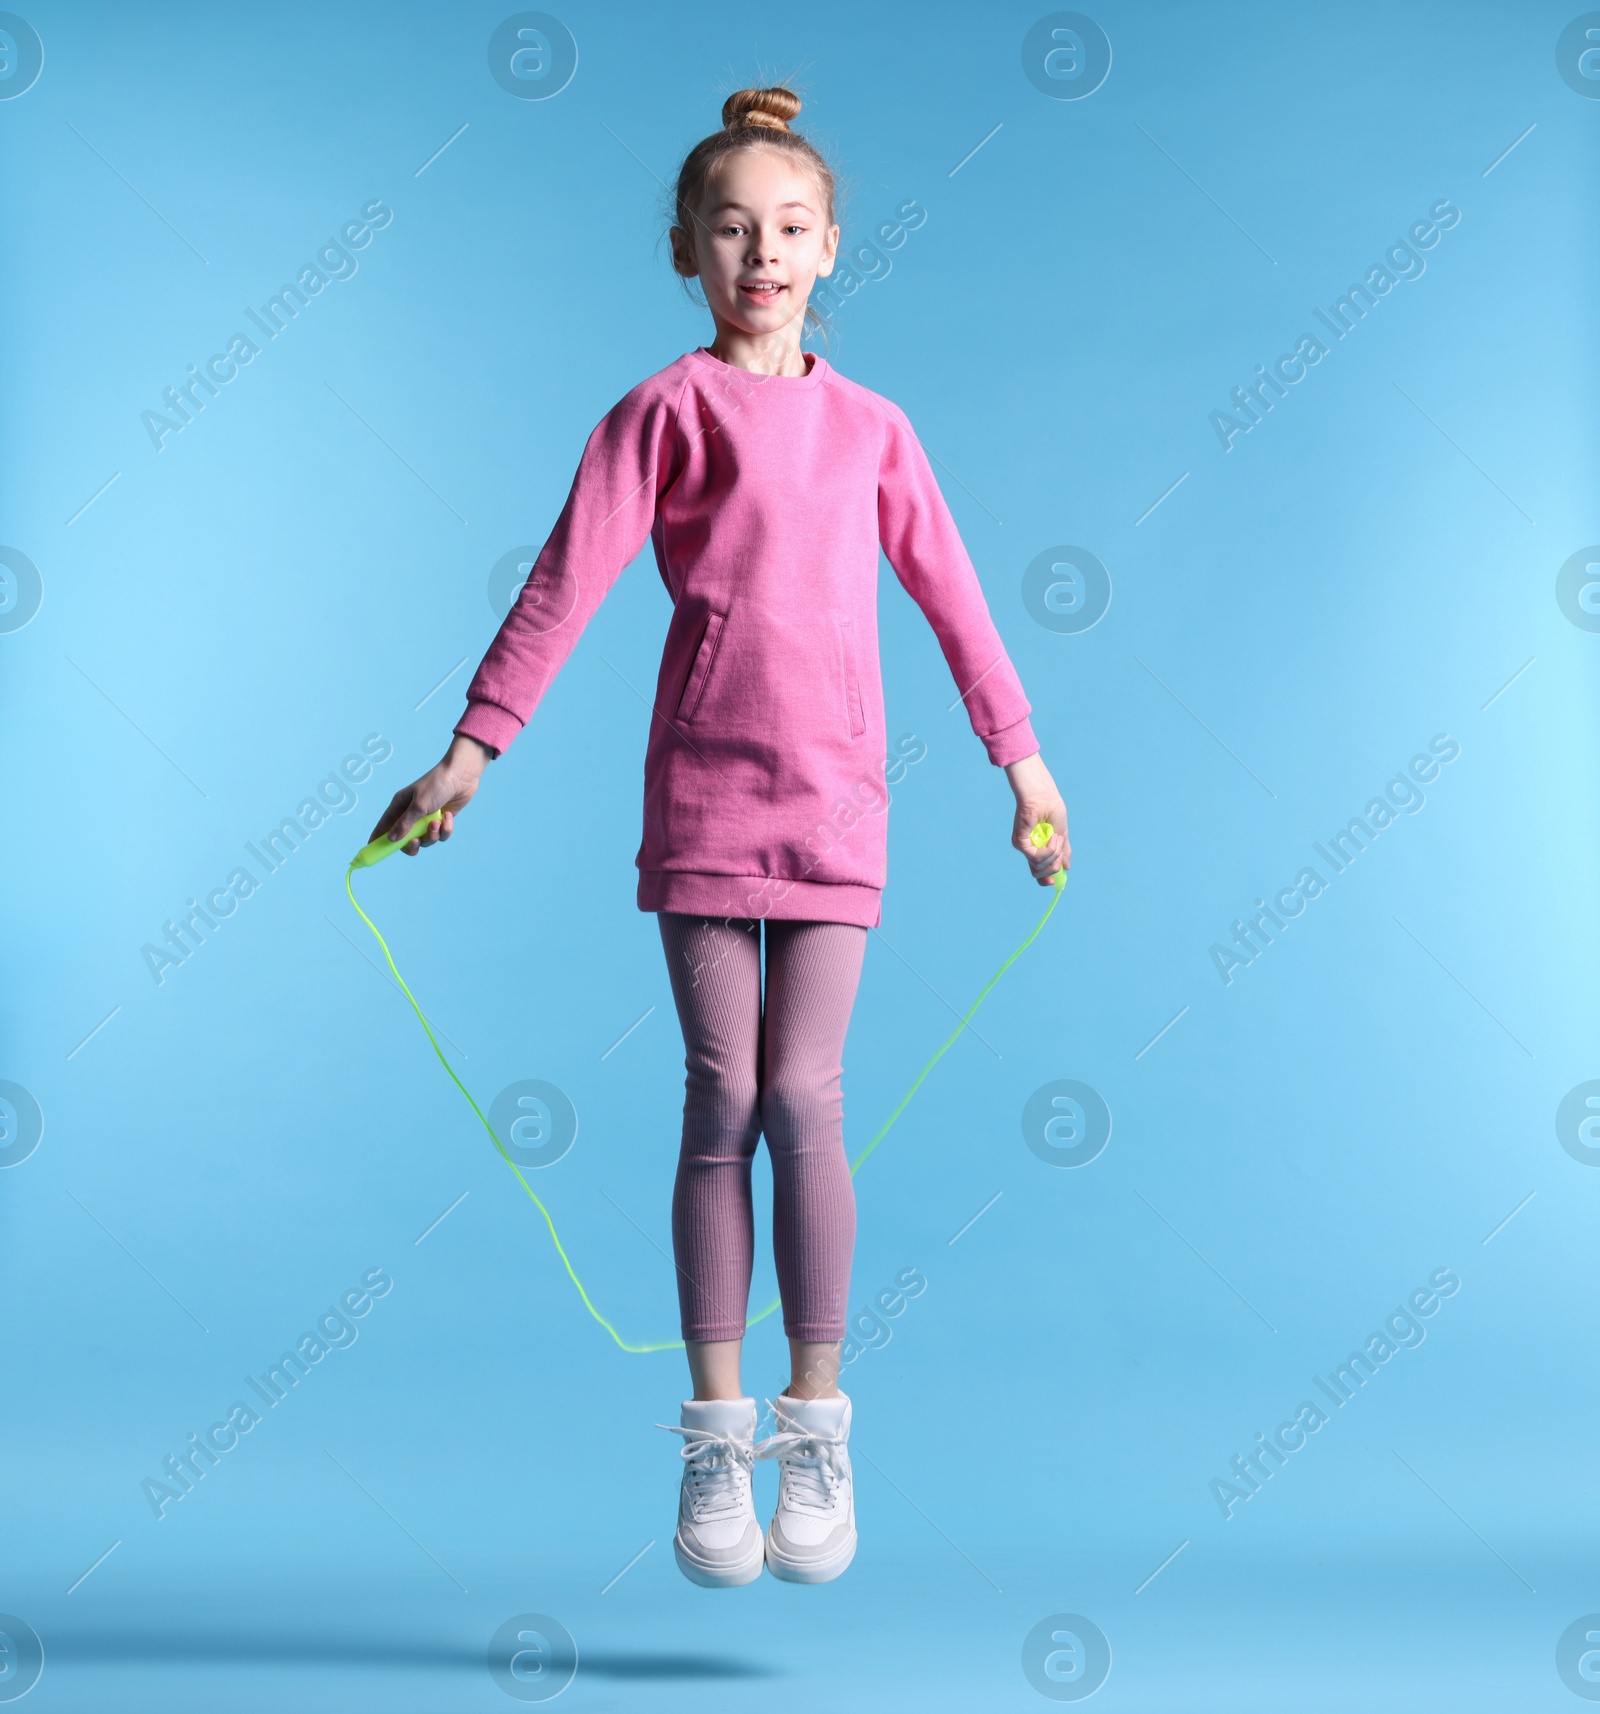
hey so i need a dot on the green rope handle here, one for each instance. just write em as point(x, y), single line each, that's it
point(382, 846)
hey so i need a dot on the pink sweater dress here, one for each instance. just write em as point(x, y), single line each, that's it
point(767, 498)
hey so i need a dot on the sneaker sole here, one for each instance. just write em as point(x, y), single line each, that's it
point(717, 1576)
point(812, 1570)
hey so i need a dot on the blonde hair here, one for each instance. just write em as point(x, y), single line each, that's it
point(751, 118)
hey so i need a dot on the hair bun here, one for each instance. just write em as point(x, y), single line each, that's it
point(772, 108)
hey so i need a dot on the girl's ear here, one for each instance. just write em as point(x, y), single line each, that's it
point(683, 256)
point(830, 252)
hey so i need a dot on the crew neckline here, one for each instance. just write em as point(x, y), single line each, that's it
point(819, 367)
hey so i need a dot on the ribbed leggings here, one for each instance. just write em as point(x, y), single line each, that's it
point(755, 1068)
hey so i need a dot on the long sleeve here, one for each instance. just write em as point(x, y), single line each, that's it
point(922, 543)
point(627, 465)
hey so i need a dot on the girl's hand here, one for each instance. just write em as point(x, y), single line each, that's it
point(448, 786)
point(1038, 800)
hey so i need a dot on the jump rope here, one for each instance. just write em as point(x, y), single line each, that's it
point(382, 846)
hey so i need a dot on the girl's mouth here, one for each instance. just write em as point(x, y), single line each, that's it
point(763, 291)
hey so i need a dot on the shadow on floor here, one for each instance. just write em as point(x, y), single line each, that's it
point(237, 1648)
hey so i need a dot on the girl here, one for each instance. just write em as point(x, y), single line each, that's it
point(766, 483)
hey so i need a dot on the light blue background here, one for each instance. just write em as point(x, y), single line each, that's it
point(1295, 1155)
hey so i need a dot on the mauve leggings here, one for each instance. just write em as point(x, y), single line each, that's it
point(753, 1069)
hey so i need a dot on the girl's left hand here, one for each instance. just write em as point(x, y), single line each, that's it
point(1038, 800)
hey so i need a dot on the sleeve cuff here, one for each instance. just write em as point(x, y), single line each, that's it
point(1011, 743)
point(490, 724)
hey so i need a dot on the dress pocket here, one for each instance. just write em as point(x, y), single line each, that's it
point(695, 686)
point(854, 711)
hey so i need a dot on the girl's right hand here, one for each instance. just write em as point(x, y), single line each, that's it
point(449, 786)
point(1038, 801)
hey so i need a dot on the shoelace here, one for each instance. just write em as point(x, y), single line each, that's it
point(811, 1464)
point(719, 1469)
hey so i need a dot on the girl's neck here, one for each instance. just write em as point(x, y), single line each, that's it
point(761, 353)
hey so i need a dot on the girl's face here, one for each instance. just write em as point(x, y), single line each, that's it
point(761, 240)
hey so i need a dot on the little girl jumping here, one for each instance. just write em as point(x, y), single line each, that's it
point(767, 483)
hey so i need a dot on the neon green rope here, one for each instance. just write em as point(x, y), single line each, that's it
point(381, 847)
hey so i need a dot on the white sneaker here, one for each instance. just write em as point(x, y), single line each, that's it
point(718, 1542)
point(812, 1537)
